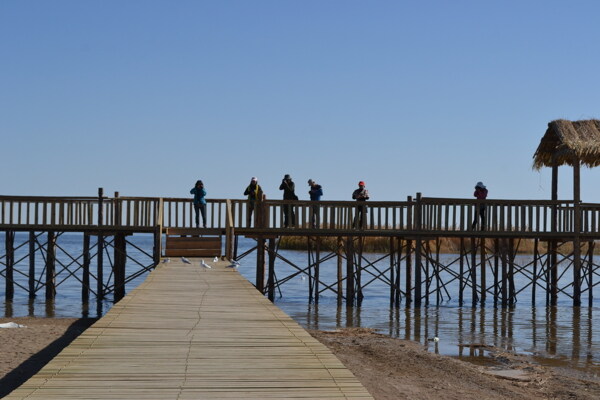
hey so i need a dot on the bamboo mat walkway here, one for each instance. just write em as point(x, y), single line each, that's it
point(188, 332)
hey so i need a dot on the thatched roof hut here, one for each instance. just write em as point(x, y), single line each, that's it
point(569, 143)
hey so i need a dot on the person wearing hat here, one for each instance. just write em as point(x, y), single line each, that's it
point(254, 193)
point(360, 195)
point(199, 202)
point(481, 194)
point(288, 187)
point(315, 193)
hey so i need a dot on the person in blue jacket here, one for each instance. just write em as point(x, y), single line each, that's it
point(315, 193)
point(199, 202)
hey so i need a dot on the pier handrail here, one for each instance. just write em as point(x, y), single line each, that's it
point(435, 214)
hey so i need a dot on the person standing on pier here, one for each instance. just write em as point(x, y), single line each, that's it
point(199, 202)
point(360, 195)
point(481, 194)
point(315, 193)
point(254, 193)
point(288, 187)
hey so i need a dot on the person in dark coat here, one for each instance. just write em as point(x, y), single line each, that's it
point(288, 187)
point(199, 202)
point(254, 193)
point(315, 193)
point(480, 193)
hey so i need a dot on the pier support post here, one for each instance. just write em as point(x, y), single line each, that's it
point(577, 238)
point(408, 279)
point(340, 272)
point(590, 272)
point(418, 249)
point(473, 271)
point(350, 270)
point(397, 283)
point(483, 276)
point(9, 243)
point(393, 287)
point(461, 272)
point(260, 265)
point(32, 243)
point(50, 266)
point(317, 267)
point(359, 294)
point(85, 278)
point(271, 278)
point(120, 258)
point(512, 296)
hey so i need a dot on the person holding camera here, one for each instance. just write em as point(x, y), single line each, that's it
point(254, 193)
point(199, 202)
point(288, 187)
point(481, 194)
point(360, 195)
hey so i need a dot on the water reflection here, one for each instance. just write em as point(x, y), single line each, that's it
point(563, 335)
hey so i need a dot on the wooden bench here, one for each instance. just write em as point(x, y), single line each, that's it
point(185, 244)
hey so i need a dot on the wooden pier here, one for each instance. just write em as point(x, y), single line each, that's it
point(563, 232)
point(189, 332)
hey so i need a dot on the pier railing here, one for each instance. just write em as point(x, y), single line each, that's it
point(423, 214)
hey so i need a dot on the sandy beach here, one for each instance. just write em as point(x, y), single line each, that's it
point(389, 368)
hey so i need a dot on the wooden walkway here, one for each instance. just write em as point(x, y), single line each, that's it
point(189, 332)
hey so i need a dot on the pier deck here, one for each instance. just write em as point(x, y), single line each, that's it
point(188, 332)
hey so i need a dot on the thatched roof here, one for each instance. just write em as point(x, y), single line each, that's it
point(567, 142)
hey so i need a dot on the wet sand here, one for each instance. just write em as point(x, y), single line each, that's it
point(389, 368)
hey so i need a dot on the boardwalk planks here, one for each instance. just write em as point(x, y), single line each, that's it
point(187, 333)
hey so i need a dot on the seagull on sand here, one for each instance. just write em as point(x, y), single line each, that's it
point(185, 260)
point(205, 265)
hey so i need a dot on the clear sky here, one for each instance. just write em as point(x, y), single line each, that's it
point(145, 97)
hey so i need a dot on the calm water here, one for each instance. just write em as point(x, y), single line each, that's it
point(559, 336)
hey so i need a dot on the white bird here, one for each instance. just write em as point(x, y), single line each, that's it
point(216, 259)
point(205, 265)
point(12, 325)
point(185, 260)
point(434, 339)
point(166, 260)
point(302, 277)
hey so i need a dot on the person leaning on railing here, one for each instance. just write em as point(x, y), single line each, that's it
point(199, 202)
point(481, 194)
point(254, 193)
point(315, 193)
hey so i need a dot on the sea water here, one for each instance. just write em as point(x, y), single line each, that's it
point(562, 335)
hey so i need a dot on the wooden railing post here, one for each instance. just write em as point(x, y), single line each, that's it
point(100, 254)
point(159, 206)
point(229, 231)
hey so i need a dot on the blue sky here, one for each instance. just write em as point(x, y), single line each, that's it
point(145, 97)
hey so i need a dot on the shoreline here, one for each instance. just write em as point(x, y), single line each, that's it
point(389, 368)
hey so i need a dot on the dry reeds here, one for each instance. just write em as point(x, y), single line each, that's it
point(447, 245)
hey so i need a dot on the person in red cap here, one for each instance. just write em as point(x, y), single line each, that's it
point(361, 195)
